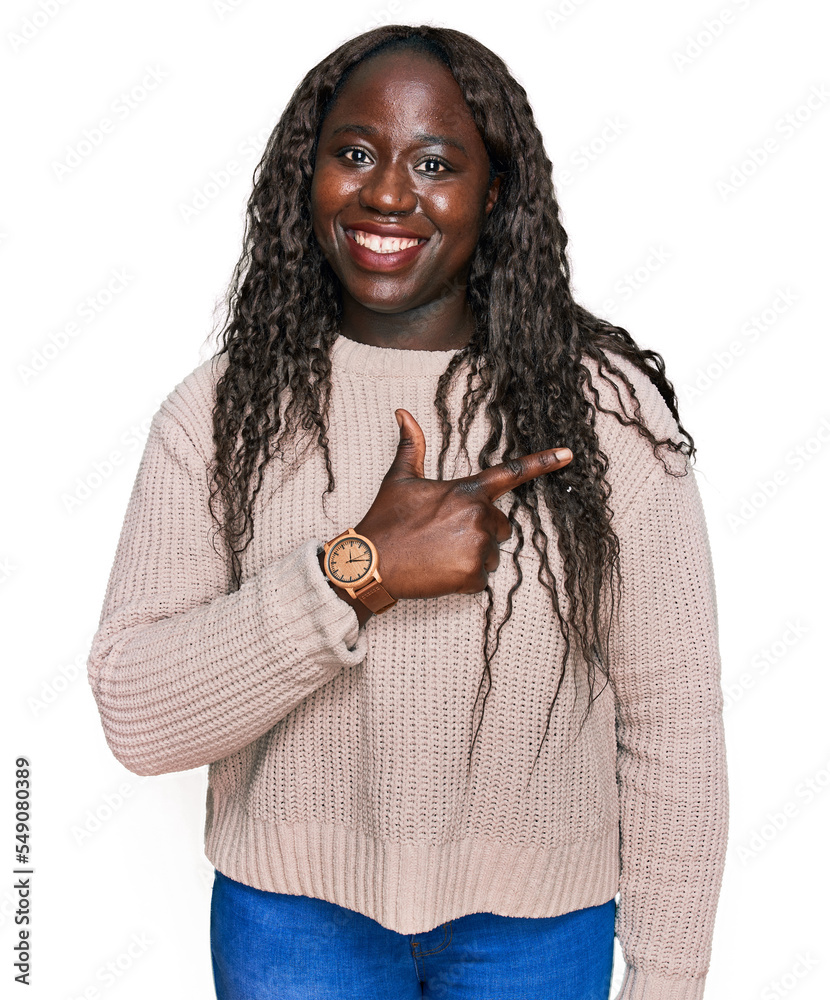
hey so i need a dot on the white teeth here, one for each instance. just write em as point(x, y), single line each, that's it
point(386, 244)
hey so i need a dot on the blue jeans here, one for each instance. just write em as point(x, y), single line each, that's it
point(270, 944)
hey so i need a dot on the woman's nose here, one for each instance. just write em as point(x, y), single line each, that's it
point(388, 188)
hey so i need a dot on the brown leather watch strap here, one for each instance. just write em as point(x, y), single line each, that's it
point(375, 597)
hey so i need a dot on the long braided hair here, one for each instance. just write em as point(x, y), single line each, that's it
point(525, 356)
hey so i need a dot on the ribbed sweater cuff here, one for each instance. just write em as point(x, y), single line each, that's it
point(295, 600)
point(639, 985)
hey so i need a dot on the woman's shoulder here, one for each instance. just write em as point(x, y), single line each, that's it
point(187, 411)
point(629, 391)
point(622, 398)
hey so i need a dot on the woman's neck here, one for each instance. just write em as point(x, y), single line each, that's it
point(443, 325)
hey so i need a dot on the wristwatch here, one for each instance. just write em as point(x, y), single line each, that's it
point(350, 561)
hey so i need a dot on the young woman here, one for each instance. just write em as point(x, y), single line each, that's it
point(418, 565)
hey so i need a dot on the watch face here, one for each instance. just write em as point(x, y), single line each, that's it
point(349, 560)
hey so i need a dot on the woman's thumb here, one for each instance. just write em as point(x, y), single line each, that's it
point(409, 458)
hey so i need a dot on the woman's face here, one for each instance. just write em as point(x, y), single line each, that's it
point(400, 157)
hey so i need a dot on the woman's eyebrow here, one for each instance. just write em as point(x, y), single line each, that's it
point(360, 129)
point(424, 137)
point(439, 140)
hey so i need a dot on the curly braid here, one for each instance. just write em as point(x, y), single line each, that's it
point(526, 355)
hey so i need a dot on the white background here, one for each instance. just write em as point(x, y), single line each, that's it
point(708, 255)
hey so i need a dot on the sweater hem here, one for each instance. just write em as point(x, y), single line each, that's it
point(410, 888)
point(640, 985)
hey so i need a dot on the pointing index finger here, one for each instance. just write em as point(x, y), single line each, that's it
point(502, 478)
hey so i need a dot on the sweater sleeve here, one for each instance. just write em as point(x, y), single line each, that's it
point(671, 761)
point(183, 672)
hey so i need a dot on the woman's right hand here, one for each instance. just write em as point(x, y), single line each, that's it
point(437, 537)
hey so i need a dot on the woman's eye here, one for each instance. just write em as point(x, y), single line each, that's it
point(354, 149)
point(432, 165)
point(435, 162)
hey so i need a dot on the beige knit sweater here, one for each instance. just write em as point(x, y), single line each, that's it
point(338, 754)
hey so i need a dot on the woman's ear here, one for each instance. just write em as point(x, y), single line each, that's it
point(492, 195)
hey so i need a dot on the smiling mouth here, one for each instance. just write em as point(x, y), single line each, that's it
point(382, 244)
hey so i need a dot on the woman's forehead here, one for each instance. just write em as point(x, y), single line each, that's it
point(399, 80)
